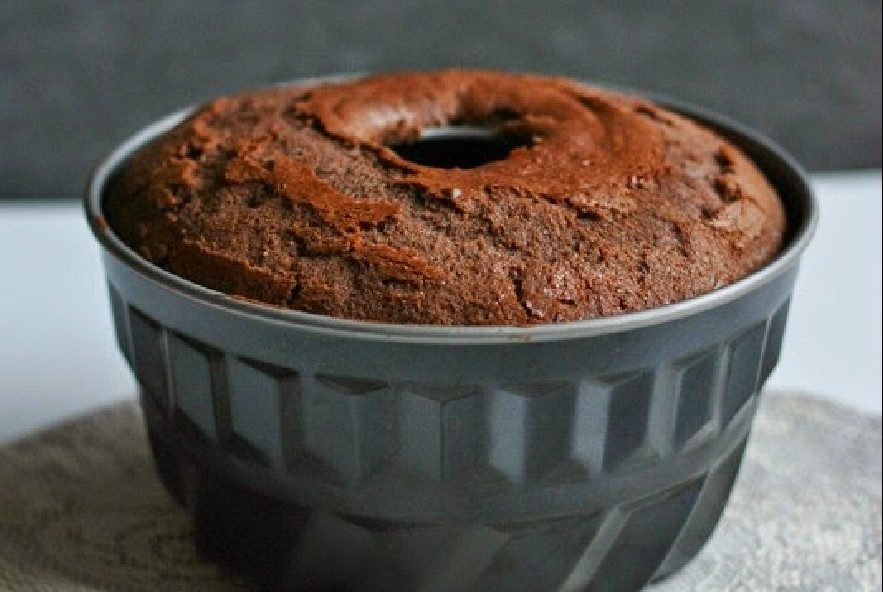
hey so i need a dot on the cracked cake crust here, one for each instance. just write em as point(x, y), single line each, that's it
point(295, 197)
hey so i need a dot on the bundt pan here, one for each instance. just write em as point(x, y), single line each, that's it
point(317, 453)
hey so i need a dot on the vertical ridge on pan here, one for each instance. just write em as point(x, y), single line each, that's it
point(775, 335)
point(348, 424)
point(264, 400)
point(746, 350)
point(663, 406)
point(530, 428)
point(120, 314)
point(442, 429)
point(590, 425)
point(698, 385)
point(198, 390)
point(628, 419)
point(150, 353)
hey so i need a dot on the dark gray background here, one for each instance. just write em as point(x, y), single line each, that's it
point(77, 77)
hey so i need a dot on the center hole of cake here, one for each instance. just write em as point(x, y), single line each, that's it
point(460, 147)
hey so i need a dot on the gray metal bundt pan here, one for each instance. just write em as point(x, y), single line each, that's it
point(326, 454)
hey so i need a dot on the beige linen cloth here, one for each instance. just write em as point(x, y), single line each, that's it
point(81, 510)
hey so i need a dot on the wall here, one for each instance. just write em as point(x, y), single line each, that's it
point(77, 77)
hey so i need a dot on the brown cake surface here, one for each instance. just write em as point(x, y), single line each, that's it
point(590, 203)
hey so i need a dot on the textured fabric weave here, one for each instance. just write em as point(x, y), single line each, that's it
point(82, 510)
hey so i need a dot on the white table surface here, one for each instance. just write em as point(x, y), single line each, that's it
point(58, 356)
